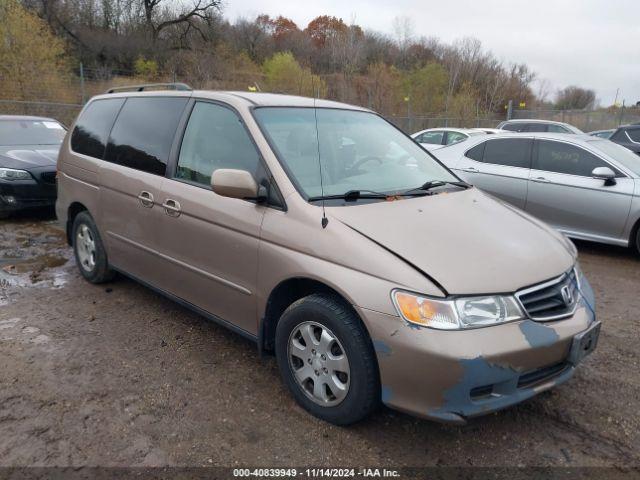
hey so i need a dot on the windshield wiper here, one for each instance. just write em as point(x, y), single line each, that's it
point(425, 187)
point(350, 196)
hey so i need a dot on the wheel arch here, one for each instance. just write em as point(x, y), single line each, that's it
point(287, 292)
point(72, 212)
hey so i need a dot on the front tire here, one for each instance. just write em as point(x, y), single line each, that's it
point(91, 257)
point(326, 360)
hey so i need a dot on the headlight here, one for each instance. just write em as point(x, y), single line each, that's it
point(12, 174)
point(459, 313)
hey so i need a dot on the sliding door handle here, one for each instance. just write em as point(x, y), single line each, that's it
point(146, 199)
point(470, 170)
point(171, 207)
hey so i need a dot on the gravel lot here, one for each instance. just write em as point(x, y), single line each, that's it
point(116, 375)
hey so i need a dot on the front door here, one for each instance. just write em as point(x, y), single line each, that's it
point(563, 193)
point(209, 242)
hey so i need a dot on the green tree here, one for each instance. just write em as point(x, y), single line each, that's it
point(146, 68)
point(283, 74)
point(33, 62)
point(426, 88)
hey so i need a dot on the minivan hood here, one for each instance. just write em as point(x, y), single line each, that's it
point(26, 157)
point(466, 241)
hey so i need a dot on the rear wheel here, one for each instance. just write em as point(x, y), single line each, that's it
point(89, 251)
point(326, 360)
point(638, 240)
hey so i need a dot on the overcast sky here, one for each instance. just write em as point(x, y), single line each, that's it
point(590, 43)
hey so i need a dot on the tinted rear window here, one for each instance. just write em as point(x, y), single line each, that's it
point(510, 152)
point(89, 137)
point(476, 152)
point(142, 135)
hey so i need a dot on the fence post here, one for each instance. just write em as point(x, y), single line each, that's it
point(82, 82)
point(509, 109)
point(621, 114)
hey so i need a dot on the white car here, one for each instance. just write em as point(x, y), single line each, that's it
point(435, 138)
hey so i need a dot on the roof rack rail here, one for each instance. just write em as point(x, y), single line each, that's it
point(148, 86)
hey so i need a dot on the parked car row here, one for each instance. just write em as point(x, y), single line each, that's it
point(374, 271)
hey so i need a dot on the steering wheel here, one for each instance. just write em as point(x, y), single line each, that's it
point(365, 160)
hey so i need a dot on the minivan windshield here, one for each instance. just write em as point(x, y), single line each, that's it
point(619, 153)
point(31, 132)
point(357, 151)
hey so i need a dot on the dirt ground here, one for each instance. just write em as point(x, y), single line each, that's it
point(116, 375)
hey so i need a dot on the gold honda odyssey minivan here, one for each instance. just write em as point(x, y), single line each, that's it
point(330, 238)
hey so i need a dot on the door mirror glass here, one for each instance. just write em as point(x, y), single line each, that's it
point(604, 173)
point(233, 183)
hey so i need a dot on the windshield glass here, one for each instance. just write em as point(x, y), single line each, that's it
point(31, 132)
point(358, 151)
point(620, 154)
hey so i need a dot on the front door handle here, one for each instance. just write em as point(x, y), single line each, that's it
point(540, 180)
point(146, 199)
point(470, 170)
point(171, 207)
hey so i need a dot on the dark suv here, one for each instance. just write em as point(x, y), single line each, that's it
point(628, 136)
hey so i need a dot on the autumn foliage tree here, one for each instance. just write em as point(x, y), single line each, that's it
point(33, 62)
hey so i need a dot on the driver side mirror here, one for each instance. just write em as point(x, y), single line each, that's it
point(606, 174)
point(232, 183)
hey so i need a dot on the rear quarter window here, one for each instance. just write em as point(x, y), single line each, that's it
point(143, 133)
point(89, 137)
point(509, 152)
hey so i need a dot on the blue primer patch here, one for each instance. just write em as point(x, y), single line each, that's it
point(538, 335)
point(382, 348)
point(477, 372)
point(458, 405)
point(387, 393)
point(588, 297)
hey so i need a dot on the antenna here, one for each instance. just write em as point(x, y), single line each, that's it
point(325, 220)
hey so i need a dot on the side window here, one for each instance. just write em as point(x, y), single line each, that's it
point(455, 137)
point(89, 137)
point(512, 127)
point(535, 127)
point(431, 137)
point(142, 135)
point(565, 158)
point(476, 152)
point(634, 134)
point(215, 138)
point(558, 129)
point(510, 152)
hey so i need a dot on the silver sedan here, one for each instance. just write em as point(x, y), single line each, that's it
point(586, 187)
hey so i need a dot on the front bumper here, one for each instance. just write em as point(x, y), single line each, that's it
point(40, 191)
point(451, 376)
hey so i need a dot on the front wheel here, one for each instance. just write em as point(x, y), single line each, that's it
point(326, 360)
point(91, 257)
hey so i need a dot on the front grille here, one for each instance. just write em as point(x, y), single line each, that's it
point(48, 177)
point(551, 300)
point(541, 374)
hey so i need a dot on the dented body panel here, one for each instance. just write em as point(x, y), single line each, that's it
point(432, 373)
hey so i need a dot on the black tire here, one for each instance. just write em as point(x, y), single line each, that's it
point(637, 240)
point(99, 271)
point(363, 393)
